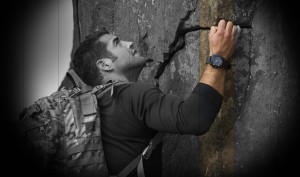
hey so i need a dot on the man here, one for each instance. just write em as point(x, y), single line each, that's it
point(136, 112)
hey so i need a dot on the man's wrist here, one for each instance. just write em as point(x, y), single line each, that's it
point(209, 69)
point(214, 77)
point(218, 62)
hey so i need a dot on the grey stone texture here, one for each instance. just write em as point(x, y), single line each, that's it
point(264, 127)
point(252, 132)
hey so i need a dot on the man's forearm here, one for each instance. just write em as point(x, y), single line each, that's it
point(221, 42)
point(214, 78)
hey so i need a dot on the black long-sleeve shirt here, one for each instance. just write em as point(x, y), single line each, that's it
point(137, 111)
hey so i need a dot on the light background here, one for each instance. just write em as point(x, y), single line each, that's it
point(47, 46)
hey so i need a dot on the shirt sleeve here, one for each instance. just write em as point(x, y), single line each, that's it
point(168, 113)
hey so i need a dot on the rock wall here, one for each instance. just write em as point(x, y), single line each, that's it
point(252, 131)
point(265, 126)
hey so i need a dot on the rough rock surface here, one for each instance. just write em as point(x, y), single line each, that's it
point(251, 133)
point(265, 126)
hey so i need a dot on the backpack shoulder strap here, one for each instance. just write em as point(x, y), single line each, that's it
point(138, 161)
point(100, 90)
point(78, 82)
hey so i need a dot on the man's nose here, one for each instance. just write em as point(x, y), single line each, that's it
point(127, 44)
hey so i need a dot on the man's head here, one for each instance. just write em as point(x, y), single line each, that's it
point(103, 56)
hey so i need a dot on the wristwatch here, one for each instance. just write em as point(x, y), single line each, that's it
point(217, 61)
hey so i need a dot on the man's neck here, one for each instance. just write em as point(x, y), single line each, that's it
point(114, 77)
point(131, 76)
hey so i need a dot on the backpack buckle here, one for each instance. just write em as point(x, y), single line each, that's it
point(97, 89)
point(147, 151)
point(74, 91)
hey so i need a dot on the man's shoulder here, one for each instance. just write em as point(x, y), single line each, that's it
point(136, 87)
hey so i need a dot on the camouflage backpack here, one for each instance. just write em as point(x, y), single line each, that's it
point(63, 132)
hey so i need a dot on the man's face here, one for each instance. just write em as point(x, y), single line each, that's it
point(127, 55)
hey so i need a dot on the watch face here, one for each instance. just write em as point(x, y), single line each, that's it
point(216, 61)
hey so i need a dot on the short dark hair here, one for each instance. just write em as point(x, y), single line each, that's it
point(86, 55)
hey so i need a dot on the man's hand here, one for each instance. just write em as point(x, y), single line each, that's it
point(221, 42)
point(221, 39)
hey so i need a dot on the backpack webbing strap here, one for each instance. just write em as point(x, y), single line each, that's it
point(138, 162)
point(71, 74)
point(129, 168)
point(140, 169)
point(100, 90)
point(88, 105)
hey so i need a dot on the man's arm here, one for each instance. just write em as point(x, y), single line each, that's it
point(195, 115)
point(168, 113)
point(221, 42)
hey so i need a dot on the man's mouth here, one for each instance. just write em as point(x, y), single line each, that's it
point(149, 62)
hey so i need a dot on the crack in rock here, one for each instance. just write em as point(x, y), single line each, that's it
point(177, 44)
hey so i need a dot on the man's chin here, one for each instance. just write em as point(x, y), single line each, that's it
point(139, 57)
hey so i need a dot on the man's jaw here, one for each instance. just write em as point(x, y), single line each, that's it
point(135, 52)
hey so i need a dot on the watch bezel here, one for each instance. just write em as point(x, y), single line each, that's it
point(212, 61)
point(217, 61)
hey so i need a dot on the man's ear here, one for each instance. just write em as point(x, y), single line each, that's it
point(105, 64)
